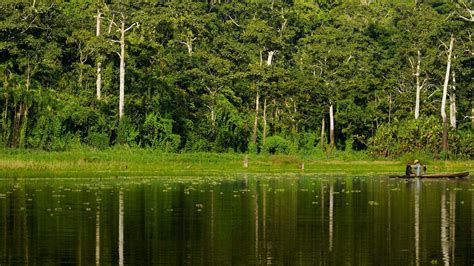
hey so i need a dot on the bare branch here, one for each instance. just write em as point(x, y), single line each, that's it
point(423, 83)
point(469, 11)
point(410, 59)
point(31, 26)
point(131, 26)
point(348, 59)
point(431, 95)
point(112, 23)
point(468, 19)
point(443, 44)
point(233, 21)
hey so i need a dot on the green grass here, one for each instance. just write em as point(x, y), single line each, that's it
point(139, 162)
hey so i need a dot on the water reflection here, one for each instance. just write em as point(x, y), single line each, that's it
point(448, 226)
point(97, 236)
point(120, 228)
point(417, 222)
point(331, 213)
point(249, 220)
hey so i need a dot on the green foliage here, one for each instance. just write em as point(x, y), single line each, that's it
point(46, 134)
point(126, 132)
point(193, 72)
point(98, 140)
point(425, 158)
point(307, 143)
point(276, 145)
point(422, 138)
point(157, 134)
point(461, 144)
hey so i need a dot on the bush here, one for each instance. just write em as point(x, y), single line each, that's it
point(157, 133)
point(461, 144)
point(98, 140)
point(276, 145)
point(126, 132)
point(46, 134)
point(307, 143)
point(420, 139)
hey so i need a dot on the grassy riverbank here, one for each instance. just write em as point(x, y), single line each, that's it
point(136, 162)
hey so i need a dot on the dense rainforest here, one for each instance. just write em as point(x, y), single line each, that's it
point(381, 77)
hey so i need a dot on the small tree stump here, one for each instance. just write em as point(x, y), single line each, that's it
point(301, 165)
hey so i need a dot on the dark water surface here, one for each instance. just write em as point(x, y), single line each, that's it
point(254, 219)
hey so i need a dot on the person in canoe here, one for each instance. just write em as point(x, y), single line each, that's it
point(415, 168)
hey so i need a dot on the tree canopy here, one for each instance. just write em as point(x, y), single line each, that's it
point(195, 71)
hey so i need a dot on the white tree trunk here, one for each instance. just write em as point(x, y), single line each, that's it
point(189, 44)
point(122, 70)
point(270, 58)
point(323, 128)
point(445, 92)
point(99, 64)
point(418, 87)
point(452, 102)
point(331, 125)
point(255, 124)
point(264, 121)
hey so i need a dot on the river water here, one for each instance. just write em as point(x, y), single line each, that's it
point(237, 220)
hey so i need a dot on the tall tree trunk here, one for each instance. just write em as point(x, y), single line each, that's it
point(322, 133)
point(98, 82)
point(122, 69)
point(255, 124)
point(418, 87)
point(122, 30)
point(24, 122)
point(452, 102)
point(264, 121)
point(445, 92)
point(331, 125)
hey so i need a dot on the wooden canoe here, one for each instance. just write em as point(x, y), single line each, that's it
point(445, 175)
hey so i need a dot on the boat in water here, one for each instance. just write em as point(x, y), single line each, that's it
point(443, 175)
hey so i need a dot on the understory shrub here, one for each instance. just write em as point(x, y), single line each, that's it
point(157, 133)
point(98, 140)
point(276, 145)
point(421, 137)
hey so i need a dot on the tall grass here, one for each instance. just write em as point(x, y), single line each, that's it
point(126, 161)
